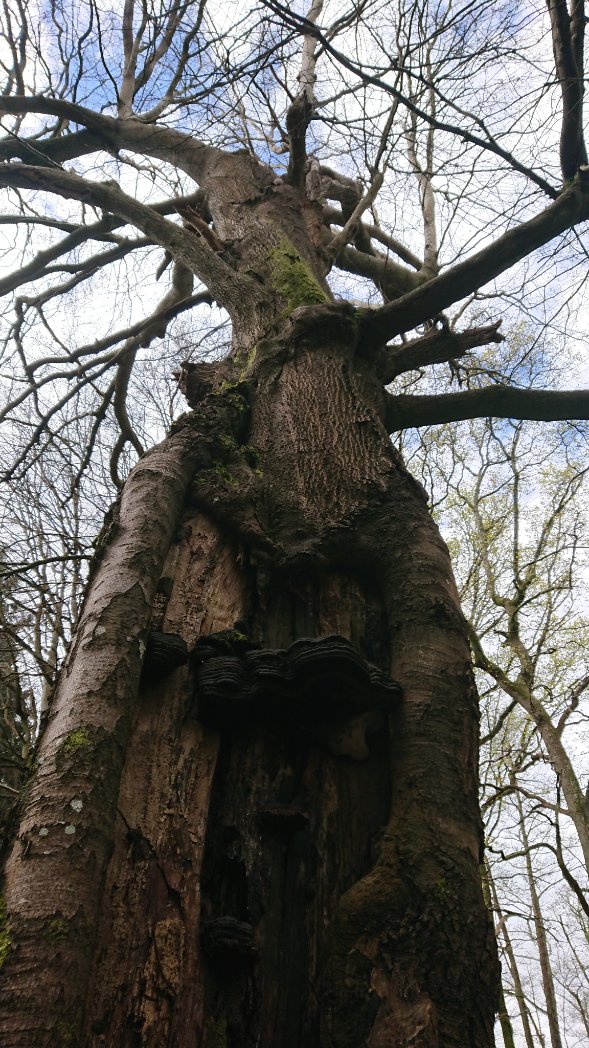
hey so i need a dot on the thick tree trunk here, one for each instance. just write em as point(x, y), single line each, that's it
point(277, 850)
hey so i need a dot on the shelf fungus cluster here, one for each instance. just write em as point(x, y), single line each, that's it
point(317, 684)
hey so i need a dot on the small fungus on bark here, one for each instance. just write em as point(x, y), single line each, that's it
point(164, 652)
point(228, 942)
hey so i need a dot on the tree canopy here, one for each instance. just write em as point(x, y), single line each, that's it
point(441, 151)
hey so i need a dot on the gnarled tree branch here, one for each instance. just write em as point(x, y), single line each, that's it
point(568, 43)
point(437, 347)
point(185, 248)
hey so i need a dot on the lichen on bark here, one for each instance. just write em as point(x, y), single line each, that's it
point(5, 939)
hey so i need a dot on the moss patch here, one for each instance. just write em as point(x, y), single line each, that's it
point(76, 739)
point(223, 473)
point(229, 391)
point(293, 278)
point(245, 363)
point(64, 1035)
point(216, 1033)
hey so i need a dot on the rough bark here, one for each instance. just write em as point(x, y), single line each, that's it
point(54, 875)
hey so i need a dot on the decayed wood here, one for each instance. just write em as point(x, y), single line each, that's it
point(296, 862)
point(149, 932)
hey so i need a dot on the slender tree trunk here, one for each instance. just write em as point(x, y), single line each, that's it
point(541, 940)
point(552, 739)
point(512, 962)
point(502, 1012)
point(273, 847)
point(505, 1022)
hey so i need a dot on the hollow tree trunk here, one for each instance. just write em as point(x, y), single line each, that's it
point(266, 845)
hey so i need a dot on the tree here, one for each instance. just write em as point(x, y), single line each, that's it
point(510, 497)
point(253, 815)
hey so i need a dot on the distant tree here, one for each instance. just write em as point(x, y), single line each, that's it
point(16, 729)
point(512, 499)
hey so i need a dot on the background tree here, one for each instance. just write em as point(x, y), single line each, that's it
point(222, 841)
point(511, 499)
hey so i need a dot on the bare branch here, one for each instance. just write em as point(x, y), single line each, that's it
point(369, 232)
point(437, 347)
point(494, 401)
point(302, 24)
point(392, 279)
point(299, 113)
point(571, 208)
point(131, 44)
point(192, 251)
point(100, 132)
point(568, 43)
point(79, 234)
point(38, 267)
point(351, 225)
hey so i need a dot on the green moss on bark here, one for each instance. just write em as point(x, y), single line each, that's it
point(76, 739)
point(56, 930)
point(293, 278)
point(216, 1033)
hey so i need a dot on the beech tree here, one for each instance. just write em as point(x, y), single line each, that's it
point(253, 814)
